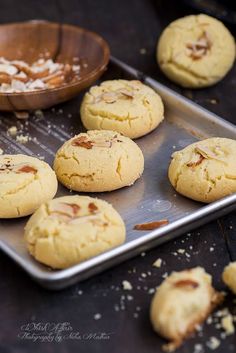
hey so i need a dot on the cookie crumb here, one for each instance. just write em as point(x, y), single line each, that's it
point(227, 324)
point(97, 316)
point(213, 343)
point(157, 263)
point(143, 51)
point(181, 251)
point(39, 113)
point(12, 130)
point(151, 291)
point(22, 139)
point(127, 285)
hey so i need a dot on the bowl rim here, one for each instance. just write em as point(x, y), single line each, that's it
point(92, 74)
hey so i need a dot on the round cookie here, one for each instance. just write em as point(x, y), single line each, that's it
point(71, 229)
point(206, 170)
point(98, 161)
point(129, 107)
point(25, 183)
point(196, 51)
point(181, 302)
point(229, 276)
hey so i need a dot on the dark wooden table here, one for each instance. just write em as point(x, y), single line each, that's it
point(102, 315)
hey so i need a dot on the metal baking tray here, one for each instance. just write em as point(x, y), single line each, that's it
point(150, 198)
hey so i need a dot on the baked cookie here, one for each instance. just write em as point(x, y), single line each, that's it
point(206, 170)
point(181, 302)
point(196, 51)
point(25, 183)
point(129, 107)
point(229, 276)
point(71, 229)
point(98, 161)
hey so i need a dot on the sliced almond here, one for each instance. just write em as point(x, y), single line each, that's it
point(207, 153)
point(75, 208)
point(126, 93)
point(27, 169)
point(92, 207)
point(196, 163)
point(109, 97)
point(4, 78)
point(151, 225)
point(82, 141)
point(199, 48)
point(86, 219)
point(186, 284)
point(67, 210)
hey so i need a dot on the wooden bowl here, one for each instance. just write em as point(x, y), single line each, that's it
point(31, 40)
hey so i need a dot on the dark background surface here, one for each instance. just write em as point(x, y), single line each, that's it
point(128, 26)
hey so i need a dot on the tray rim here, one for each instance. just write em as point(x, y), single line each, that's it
point(214, 210)
point(161, 232)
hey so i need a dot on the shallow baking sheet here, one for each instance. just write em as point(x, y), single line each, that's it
point(150, 198)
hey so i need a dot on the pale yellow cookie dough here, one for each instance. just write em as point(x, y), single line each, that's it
point(229, 276)
point(128, 107)
point(206, 170)
point(25, 183)
point(196, 51)
point(98, 161)
point(181, 302)
point(71, 229)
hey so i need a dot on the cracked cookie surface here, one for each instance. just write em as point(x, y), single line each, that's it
point(181, 302)
point(196, 51)
point(25, 183)
point(71, 229)
point(129, 107)
point(206, 170)
point(98, 161)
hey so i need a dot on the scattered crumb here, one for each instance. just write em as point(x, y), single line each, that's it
point(227, 324)
point(143, 275)
point(213, 343)
point(1, 151)
point(165, 275)
point(209, 320)
point(80, 292)
point(157, 263)
point(143, 51)
point(143, 254)
point(129, 297)
point(181, 251)
point(22, 138)
point(198, 348)
point(151, 291)
point(127, 285)
point(135, 315)
point(97, 316)
point(12, 130)
point(39, 113)
point(211, 249)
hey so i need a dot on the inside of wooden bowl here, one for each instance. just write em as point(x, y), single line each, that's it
point(32, 40)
